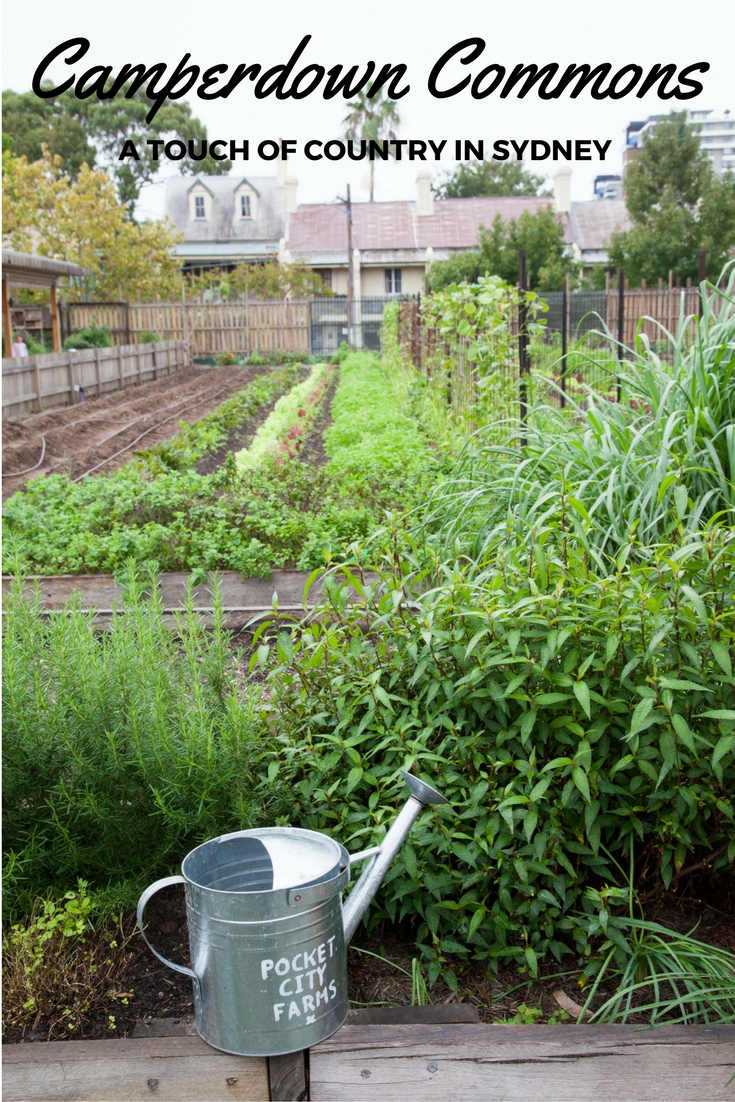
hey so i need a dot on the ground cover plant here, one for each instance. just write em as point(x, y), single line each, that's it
point(158, 509)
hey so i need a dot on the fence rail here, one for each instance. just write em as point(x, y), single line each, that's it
point(36, 383)
point(209, 327)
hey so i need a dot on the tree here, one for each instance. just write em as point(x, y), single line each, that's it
point(81, 220)
point(540, 234)
point(29, 123)
point(677, 205)
point(94, 131)
point(488, 178)
point(269, 280)
point(375, 119)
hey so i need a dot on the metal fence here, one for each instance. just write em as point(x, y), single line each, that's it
point(355, 321)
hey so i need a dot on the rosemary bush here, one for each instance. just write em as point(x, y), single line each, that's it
point(122, 748)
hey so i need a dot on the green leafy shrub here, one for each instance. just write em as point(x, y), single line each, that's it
point(227, 359)
point(95, 336)
point(148, 337)
point(567, 705)
point(122, 749)
point(341, 354)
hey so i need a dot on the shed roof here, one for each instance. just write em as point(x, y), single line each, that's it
point(28, 270)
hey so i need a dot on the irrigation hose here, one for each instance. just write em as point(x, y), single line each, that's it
point(17, 474)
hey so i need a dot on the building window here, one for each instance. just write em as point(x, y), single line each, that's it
point(245, 206)
point(392, 281)
point(325, 274)
point(199, 206)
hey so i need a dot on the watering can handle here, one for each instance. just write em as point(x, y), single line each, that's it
point(150, 891)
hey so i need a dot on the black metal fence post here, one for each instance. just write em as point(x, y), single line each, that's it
point(523, 342)
point(621, 321)
point(564, 330)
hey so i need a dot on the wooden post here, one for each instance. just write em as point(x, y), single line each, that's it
point(37, 384)
point(155, 365)
point(7, 322)
point(71, 376)
point(55, 323)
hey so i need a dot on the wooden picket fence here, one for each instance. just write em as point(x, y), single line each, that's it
point(209, 327)
point(36, 383)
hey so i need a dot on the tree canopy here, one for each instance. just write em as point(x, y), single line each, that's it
point(488, 178)
point(678, 205)
point(47, 212)
point(540, 234)
point(93, 131)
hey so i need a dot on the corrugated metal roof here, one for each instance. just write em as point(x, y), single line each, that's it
point(594, 222)
point(455, 224)
point(27, 269)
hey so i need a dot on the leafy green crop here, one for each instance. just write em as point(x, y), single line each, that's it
point(158, 510)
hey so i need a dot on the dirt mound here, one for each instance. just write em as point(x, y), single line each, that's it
point(101, 434)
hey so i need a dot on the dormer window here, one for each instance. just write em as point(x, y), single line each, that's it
point(245, 206)
point(199, 211)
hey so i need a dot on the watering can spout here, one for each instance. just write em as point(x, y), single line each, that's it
point(381, 857)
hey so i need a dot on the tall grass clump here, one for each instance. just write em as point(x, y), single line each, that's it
point(656, 464)
point(122, 748)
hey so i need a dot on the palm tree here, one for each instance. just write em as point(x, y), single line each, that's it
point(375, 119)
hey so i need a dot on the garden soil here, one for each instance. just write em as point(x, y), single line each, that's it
point(154, 991)
point(91, 434)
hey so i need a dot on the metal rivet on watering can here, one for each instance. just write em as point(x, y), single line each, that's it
point(432, 1067)
point(268, 931)
point(365, 1073)
point(231, 1080)
point(153, 1083)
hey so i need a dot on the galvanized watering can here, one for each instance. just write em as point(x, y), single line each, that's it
point(268, 930)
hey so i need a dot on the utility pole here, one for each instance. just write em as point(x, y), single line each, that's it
point(350, 272)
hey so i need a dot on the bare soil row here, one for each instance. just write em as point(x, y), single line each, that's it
point(101, 435)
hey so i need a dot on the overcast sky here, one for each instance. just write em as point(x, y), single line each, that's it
point(536, 31)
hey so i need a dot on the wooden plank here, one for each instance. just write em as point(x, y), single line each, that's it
point(517, 1063)
point(441, 1014)
point(245, 596)
point(287, 1077)
point(175, 1069)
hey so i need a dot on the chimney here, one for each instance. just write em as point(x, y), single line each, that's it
point(425, 198)
point(281, 168)
point(291, 184)
point(563, 190)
